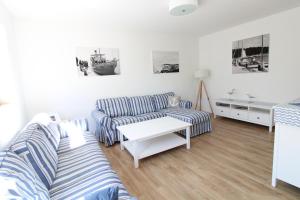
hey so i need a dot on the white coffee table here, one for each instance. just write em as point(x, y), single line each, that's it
point(153, 136)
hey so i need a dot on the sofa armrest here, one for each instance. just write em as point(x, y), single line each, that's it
point(98, 115)
point(104, 127)
point(185, 104)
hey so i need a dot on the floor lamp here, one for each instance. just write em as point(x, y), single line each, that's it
point(201, 74)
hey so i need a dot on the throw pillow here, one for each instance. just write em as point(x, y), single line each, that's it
point(110, 193)
point(161, 100)
point(141, 104)
point(17, 180)
point(114, 107)
point(36, 150)
point(173, 101)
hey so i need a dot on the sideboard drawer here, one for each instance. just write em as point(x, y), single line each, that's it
point(260, 118)
point(239, 114)
point(223, 111)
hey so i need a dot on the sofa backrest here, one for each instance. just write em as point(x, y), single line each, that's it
point(18, 180)
point(125, 106)
point(161, 100)
point(114, 107)
point(141, 104)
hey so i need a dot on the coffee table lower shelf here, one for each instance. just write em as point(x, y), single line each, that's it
point(142, 149)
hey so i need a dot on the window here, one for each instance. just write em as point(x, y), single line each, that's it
point(7, 82)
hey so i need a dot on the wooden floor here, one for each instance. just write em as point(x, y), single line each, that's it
point(234, 161)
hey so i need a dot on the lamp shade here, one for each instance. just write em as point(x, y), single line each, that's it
point(202, 73)
point(182, 7)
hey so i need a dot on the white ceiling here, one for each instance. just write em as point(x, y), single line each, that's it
point(149, 15)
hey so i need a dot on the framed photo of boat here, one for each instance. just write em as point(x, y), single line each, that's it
point(93, 61)
point(165, 62)
point(251, 55)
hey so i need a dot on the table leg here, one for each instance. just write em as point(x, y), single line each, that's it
point(121, 141)
point(188, 137)
point(136, 162)
point(271, 121)
point(135, 155)
point(270, 128)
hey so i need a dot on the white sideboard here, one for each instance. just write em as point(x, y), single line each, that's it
point(253, 112)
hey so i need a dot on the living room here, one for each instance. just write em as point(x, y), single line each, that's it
point(48, 65)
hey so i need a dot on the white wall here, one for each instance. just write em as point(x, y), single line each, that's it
point(281, 83)
point(49, 74)
point(12, 116)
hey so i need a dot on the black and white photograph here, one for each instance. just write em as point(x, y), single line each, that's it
point(97, 61)
point(251, 55)
point(165, 61)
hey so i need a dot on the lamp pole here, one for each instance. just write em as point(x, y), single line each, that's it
point(201, 74)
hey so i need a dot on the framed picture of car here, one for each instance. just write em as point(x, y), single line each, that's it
point(165, 62)
point(251, 55)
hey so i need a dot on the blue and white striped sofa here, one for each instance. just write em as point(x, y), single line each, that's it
point(41, 165)
point(113, 112)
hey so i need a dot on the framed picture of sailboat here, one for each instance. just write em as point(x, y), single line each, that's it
point(251, 55)
point(97, 61)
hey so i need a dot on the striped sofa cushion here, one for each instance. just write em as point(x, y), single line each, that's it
point(81, 123)
point(119, 121)
point(67, 144)
point(161, 100)
point(185, 104)
point(141, 104)
point(201, 120)
point(187, 115)
point(55, 131)
point(149, 116)
point(49, 125)
point(83, 170)
point(50, 132)
point(34, 147)
point(114, 107)
point(65, 128)
point(17, 180)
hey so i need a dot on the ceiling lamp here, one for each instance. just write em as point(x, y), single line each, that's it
point(182, 7)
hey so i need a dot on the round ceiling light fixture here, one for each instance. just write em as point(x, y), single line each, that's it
point(182, 7)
